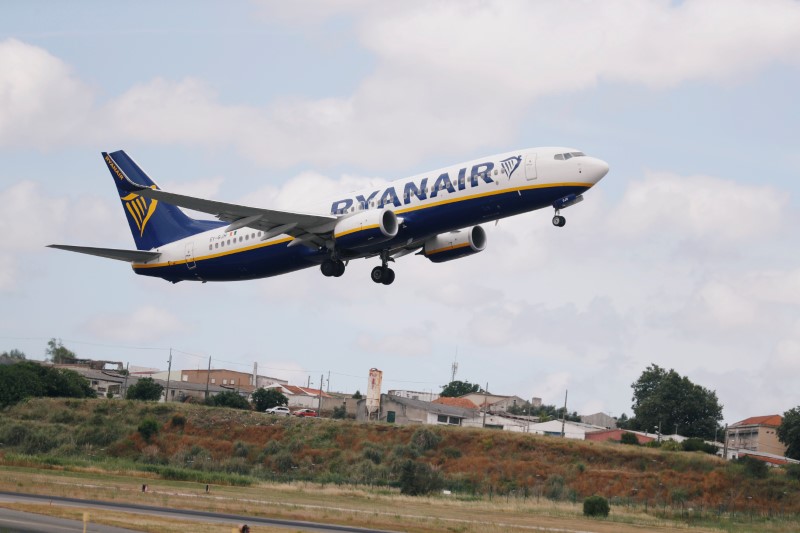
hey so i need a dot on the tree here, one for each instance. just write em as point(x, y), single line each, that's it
point(459, 388)
point(27, 379)
point(264, 399)
point(145, 389)
point(58, 353)
point(666, 399)
point(789, 432)
point(357, 395)
point(228, 398)
point(11, 356)
point(623, 422)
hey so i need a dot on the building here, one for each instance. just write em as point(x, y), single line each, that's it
point(303, 396)
point(503, 422)
point(455, 402)
point(493, 402)
point(230, 379)
point(416, 395)
point(572, 430)
point(756, 434)
point(600, 419)
point(398, 410)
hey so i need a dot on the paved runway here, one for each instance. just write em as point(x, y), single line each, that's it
point(230, 520)
point(18, 522)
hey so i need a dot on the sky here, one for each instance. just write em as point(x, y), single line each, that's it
point(685, 255)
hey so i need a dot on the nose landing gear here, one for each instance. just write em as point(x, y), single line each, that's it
point(559, 221)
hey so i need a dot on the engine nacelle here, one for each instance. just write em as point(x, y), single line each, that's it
point(456, 244)
point(365, 228)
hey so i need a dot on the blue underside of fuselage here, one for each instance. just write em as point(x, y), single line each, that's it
point(418, 224)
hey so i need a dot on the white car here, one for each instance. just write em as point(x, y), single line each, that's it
point(280, 410)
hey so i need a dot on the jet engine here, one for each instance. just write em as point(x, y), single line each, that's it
point(454, 245)
point(365, 228)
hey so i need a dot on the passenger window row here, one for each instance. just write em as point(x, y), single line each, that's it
point(242, 238)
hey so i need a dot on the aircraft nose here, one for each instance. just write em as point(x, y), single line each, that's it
point(597, 169)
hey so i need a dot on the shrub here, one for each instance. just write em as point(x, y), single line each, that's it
point(793, 471)
point(144, 389)
point(554, 487)
point(451, 453)
point(417, 478)
point(177, 420)
point(373, 454)
point(671, 446)
point(629, 438)
point(595, 506)
point(147, 428)
point(339, 412)
point(230, 399)
point(695, 444)
point(425, 439)
point(753, 468)
point(240, 449)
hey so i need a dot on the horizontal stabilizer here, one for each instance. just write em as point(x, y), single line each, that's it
point(131, 256)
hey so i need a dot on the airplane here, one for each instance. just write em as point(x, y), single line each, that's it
point(435, 214)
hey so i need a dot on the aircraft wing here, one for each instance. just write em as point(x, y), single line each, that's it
point(306, 228)
point(131, 256)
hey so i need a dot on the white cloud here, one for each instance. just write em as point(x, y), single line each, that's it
point(407, 343)
point(449, 77)
point(145, 324)
point(718, 211)
point(42, 103)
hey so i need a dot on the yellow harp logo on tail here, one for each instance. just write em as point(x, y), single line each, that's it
point(140, 209)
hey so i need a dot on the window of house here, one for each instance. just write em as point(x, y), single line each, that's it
point(224, 381)
point(213, 380)
point(233, 382)
point(184, 377)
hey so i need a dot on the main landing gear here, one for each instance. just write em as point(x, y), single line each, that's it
point(383, 274)
point(332, 268)
point(559, 221)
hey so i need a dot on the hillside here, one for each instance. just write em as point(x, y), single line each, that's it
point(225, 446)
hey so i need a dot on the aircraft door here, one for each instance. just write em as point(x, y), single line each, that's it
point(190, 264)
point(530, 166)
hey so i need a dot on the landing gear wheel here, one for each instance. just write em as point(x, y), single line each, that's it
point(332, 268)
point(559, 221)
point(388, 276)
point(378, 274)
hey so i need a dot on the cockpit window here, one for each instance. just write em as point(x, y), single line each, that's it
point(568, 155)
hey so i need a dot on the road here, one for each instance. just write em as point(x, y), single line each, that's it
point(41, 523)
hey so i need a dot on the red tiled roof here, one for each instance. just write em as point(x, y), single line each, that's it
point(769, 420)
point(771, 460)
point(303, 391)
point(456, 402)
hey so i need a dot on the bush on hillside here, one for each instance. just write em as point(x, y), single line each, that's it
point(629, 438)
point(698, 445)
point(417, 478)
point(145, 389)
point(595, 506)
point(230, 399)
point(425, 439)
point(147, 428)
point(753, 468)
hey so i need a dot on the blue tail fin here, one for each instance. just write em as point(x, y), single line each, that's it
point(152, 223)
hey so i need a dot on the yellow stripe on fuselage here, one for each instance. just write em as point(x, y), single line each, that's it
point(212, 256)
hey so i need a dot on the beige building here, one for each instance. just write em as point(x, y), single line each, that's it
point(757, 434)
point(241, 381)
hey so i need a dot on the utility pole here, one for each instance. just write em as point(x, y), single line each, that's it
point(725, 443)
point(127, 373)
point(454, 367)
point(309, 382)
point(169, 371)
point(329, 381)
point(208, 375)
point(319, 410)
point(485, 392)
point(255, 375)
point(564, 417)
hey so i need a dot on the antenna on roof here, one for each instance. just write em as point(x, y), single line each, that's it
point(454, 367)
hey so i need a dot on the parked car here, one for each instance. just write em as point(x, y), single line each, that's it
point(280, 410)
point(305, 412)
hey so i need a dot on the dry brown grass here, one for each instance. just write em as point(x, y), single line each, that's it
point(330, 504)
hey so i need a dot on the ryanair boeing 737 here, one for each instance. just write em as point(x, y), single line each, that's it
point(435, 214)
